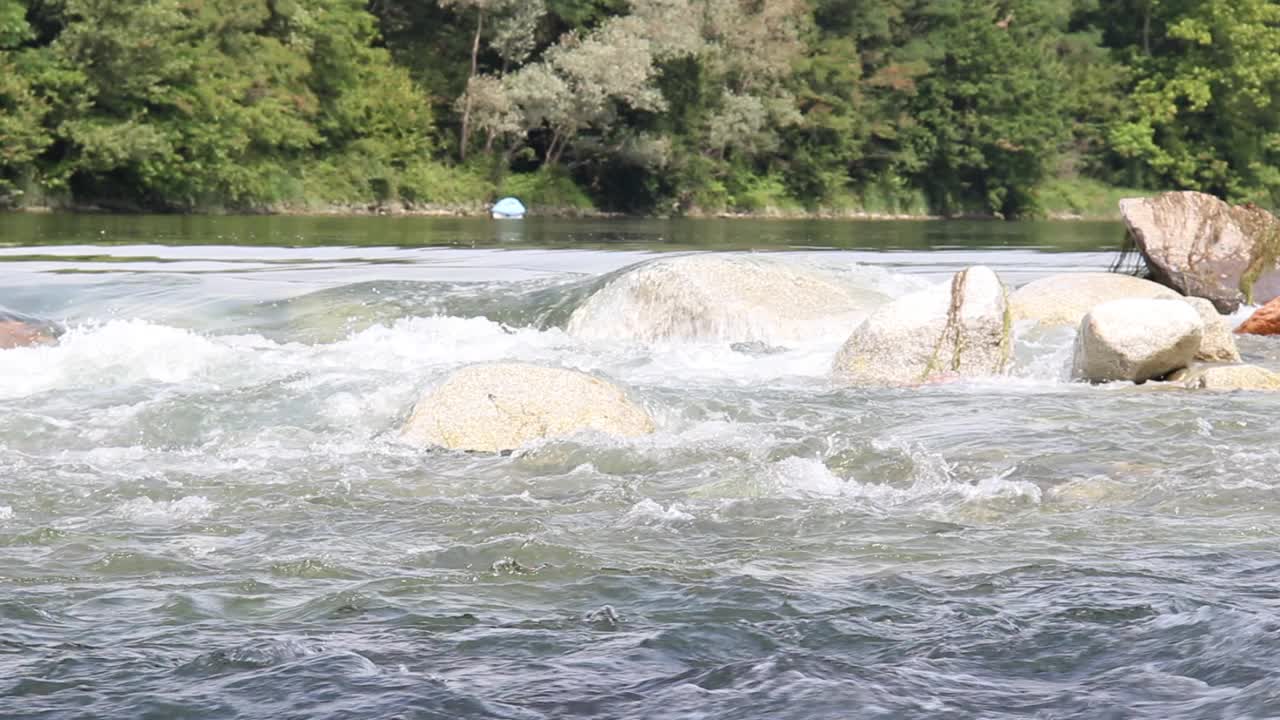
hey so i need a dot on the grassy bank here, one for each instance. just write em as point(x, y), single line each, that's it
point(1084, 198)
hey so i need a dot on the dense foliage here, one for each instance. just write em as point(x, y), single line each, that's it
point(953, 106)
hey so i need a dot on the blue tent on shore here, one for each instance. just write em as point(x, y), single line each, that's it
point(508, 207)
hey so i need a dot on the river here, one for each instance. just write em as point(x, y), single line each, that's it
point(205, 511)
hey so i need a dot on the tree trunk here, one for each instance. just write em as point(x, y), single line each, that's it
point(466, 102)
point(1146, 29)
point(492, 135)
point(554, 149)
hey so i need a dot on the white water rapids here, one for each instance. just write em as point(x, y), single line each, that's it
point(205, 511)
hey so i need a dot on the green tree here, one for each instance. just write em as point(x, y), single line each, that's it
point(831, 136)
point(23, 136)
point(989, 113)
point(175, 104)
point(646, 104)
point(1203, 111)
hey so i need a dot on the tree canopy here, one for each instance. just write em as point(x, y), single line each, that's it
point(668, 106)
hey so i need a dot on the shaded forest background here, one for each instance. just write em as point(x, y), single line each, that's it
point(1011, 107)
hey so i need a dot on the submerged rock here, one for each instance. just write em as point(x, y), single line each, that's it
point(497, 407)
point(1264, 321)
point(1136, 340)
point(18, 330)
point(15, 334)
point(1231, 377)
point(1064, 299)
point(1201, 246)
point(1216, 341)
point(960, 329)
point(755, 348)
point(722, 297)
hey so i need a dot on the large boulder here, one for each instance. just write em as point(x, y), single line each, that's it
point(1064, 299)
point(725, 297)
point(1136, 340)
point(1201, 246)
point(502, 406)
point(961, 328)
point(1232, 377)
point(1264, 321)
point(1216, 342)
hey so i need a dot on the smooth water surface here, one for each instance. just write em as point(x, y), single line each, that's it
point(205, 511)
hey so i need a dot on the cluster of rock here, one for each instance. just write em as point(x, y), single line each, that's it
point(1205, 248)
point(1128, 329)
point(1137, 331)
point(1205, 256)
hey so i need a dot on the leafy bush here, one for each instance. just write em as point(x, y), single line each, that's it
point(763, 193)
point(549, 187)
point(1085, 197)
point(431, 183)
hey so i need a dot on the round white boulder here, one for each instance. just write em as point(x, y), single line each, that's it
point(723, 297)
point(502, 406)
point(1064, 299)
point(1136, 340)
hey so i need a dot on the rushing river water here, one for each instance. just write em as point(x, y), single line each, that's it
point(205, 511)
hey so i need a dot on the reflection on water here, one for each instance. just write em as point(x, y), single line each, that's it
point(614, 234)
point(204, 512)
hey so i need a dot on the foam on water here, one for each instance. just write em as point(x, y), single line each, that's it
point(1241, 314)
point(796, 477)
point(650, 512)
point(117, 352)
point(1042, 353)
point(163, 512)
point(415, 344)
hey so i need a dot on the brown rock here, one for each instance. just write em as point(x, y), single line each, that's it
point(1264, 321)
point(16, 333)
point(1203, 247)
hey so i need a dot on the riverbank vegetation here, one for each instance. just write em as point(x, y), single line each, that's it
point(1006, 107)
